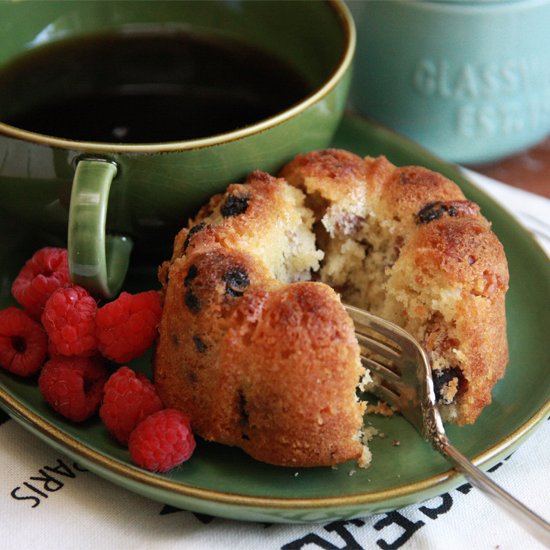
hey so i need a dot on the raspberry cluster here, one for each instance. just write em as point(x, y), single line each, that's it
point(64, 335)
point(158, 439)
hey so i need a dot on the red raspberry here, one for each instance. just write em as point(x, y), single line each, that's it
point(69, 320)
point(46, 271)
point(162, 441)
point(127, 326)
point(52, 349)
point(73, 386)
point(23, 342)
point(128, 399)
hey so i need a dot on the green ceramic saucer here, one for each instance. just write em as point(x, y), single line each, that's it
point(222, 481)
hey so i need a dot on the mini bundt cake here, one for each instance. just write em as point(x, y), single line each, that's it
point(257, 356)
point(255, 344)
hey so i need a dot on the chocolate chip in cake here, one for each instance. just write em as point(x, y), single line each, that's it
point(434, 210)
point(195, 229)
point(192, 302)
point(234, 206)
point(192, 272)
point(457, 208)
point(175, 339)
point(236, 281)
point(243, 412)
point(191, 376)
point(199, 344)
point(446, 384)
point(367, 246)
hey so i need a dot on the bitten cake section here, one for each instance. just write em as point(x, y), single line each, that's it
point(406, 244)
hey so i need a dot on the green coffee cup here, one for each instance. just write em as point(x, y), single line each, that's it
point(113, 194)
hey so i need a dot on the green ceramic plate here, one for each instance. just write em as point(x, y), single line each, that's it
point(225, 482)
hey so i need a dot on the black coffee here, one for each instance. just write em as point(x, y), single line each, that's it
point(145, 87)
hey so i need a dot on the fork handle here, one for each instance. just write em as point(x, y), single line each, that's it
point(533, 523)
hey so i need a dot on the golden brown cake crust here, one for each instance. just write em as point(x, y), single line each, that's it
point(263, 358)
point(266, 366)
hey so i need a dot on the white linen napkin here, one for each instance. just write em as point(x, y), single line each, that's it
point(48, 501)
point(533, 211)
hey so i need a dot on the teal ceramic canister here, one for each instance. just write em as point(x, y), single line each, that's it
point(137, 196)
point(468, 79)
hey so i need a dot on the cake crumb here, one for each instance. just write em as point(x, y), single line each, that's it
point(396, 443)
point(369, 433)
point(365, 458)
point(381, 408)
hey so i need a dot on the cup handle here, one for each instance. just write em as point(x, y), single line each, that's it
point(97, 261)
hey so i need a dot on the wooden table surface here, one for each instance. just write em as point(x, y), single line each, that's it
point(529, 170)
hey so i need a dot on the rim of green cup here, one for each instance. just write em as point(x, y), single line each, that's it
point(346, 21)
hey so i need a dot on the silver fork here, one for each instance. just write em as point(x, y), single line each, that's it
point(408, 385)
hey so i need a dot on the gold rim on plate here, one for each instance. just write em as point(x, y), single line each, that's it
point(152, 480)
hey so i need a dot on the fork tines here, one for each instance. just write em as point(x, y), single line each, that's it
point(385, 348)
point(371, 344)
